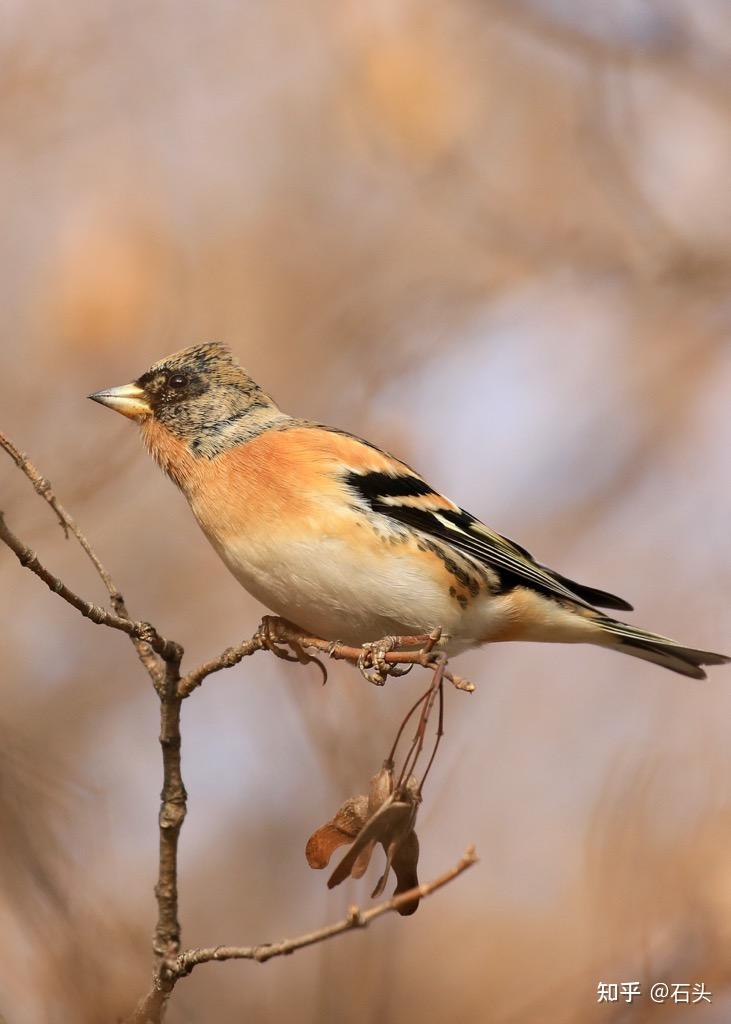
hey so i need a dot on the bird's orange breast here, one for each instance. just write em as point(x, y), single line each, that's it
point(281, 476)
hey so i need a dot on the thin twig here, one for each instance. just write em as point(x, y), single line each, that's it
point(356, 919)
point(417, 744)
point(69, 526)
point(438, 738)
point(142, 631)
point(227, 659)
point(404, 723)
point(171, 972)
point(41, 485)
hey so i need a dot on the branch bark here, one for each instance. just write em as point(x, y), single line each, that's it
point(173, 807)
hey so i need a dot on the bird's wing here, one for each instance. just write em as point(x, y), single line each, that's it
point(400, 494)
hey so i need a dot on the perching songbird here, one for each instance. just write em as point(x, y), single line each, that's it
point(344, 540)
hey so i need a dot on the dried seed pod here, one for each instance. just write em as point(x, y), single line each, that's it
point(342, 829)
point(385, 816)
point(404, 861)
point(380, 788)
point(392, 821)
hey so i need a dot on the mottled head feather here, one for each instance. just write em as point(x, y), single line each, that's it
point(212, 358)
point(204, 398)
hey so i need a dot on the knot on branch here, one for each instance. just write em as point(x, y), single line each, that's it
point(169, 650)
point(27, 557)
point(172, 813)
point(146, 633)
point(43, 486)
point(96, 614)
point(355, 917)
point(266, 952)
point(230, 657)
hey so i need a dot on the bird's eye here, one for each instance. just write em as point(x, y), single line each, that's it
point(177, 380)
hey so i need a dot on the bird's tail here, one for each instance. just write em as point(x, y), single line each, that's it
point(659, 649)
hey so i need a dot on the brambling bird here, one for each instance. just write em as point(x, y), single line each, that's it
point(346, 541)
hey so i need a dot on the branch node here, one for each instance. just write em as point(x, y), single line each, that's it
point(355, 917)
point(96, 614)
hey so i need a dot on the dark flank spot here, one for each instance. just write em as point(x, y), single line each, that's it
point(459, 597)
point(449, 563)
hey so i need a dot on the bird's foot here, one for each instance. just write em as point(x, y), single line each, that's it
point(372, 660)
point(275, 635)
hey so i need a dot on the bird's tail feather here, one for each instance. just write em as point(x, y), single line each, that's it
point(659, 649)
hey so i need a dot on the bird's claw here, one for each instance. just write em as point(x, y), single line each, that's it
point(372, 661)
point(273, 636)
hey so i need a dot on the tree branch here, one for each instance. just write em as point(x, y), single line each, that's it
point(170, 973)
point(173, 807)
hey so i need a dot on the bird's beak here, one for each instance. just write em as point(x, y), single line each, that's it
point(129, 399)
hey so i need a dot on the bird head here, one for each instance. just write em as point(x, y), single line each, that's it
point(200, 395)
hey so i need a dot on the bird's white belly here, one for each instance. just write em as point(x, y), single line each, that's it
point(330, 589)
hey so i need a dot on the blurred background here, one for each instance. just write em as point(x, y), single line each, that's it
point(494, 238)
